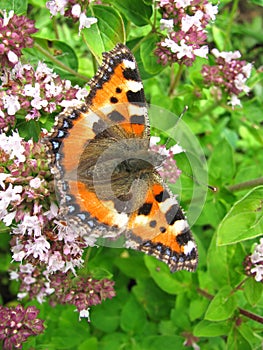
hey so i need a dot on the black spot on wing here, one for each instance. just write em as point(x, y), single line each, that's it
point(131, 74)
point(116, 116)
point(113, 99)
point(145, 209)
point(99, 126)
point(162, 196)
point(137, 119)
point(153, 223)
point(173, 214)
point(135, 97)
point(184, 237)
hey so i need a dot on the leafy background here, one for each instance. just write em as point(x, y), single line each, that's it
point(155, 309)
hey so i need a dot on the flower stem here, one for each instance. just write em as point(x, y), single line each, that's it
point(244, 312)
point(230, 23)
point(175, 79)
point(207, 110)
point(247, 184)
point(59, 63)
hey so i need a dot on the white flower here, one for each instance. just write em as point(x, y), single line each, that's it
point(3, 177)
point(167, 24)
point(84, 313)
point(18, 252)
point(182, 3)
point(154, 140)
point(190, 21)
point(21, 295)
point(247, 69)
point(8, 218)
point(81, 94)
point(56, 6)
point(76, 10)
point(55, 262)
point(35, 183)
point(27, 268)
point(38, 248)
point(234, 101)
point(14, 275)
point(30, 225)
point(12, 145)
point(211, 10)
point(53, 89)
point(52, 212)
point(176, 149)
point(239, 82)
point(38, 103)
point(86, 22)
point(202, 51)
point(30, 90)
point(43, 70)
point(13, 58)
point(11, 194)
point(7, 17)
point(11, 103)
point(258, 269)
point(228, 56)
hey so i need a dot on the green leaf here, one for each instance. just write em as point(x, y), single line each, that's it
point(251, 337)
point(244, 220)
point(221, 162)
point(90, 343)
point(105, 316)
point(257, 2)
point(135, 11)
point(236, 341)
point(168, 282)
point(219, 37)
point(217, 261)
point(18, 6)
point(148, 57)
point(211, 329)
point(156, 303)
point(197, 308)
point(253, 291)
point(56, 54)
point(106, 33)
point(5, 260)
point(133, 317)
point(222, 305)
point(167, 342)
point(114, 341)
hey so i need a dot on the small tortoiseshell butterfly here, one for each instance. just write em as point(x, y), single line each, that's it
point(105, 174)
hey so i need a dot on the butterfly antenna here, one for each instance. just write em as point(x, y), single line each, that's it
point(177, 121)
point(210, 187)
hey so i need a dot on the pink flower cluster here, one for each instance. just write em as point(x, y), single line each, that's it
point(76, 9)
point(168, 170)
point(229, 73)
point(27, 198)
point(47, 249)
point(83, 293)
point(61, 288)
point(15, 34)
point(17, 324)
point(28, 92)
point(184, 22)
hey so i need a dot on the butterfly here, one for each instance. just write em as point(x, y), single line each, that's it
point(106, 175)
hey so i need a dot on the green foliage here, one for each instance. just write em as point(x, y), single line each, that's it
point(155, 309)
